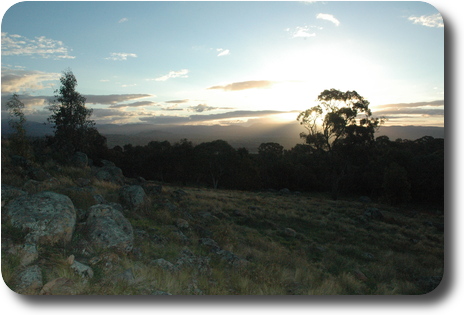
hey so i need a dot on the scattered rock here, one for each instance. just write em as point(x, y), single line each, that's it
point(126, 276)
point(29, 281)
point(290, 232)
point(108, 228)
point(182, 224)
point(82, 270)
point(133, 196)
point(210, 244)
point(365, 199)
point(110, 173)
point(80, 159)
point(373, 214)
point(164, 264)
point(49, 217)
point(58, 286)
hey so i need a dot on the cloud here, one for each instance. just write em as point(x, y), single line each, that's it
point(201, 108)
point(416, 104)
point(14, 45)
point(172, 74)
point(240, 115)
point(434, 108)
point(123, 20)
point(14, 80)
point(135, 104)
point(245, 85)
point(302, 31)
point(120, 56)
point(434, 20)
point(223, 52)
point(177, 101)
point(114, 98)
point(328, 17)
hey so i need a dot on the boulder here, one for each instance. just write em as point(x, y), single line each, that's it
point(373, 214)
point(9, 193)
point(108, 228)
point(58, 286)
point(82, 270)
point(29, 281)
point(49, 217)
point(133, 197)
point(80, 159)
point(110, 173)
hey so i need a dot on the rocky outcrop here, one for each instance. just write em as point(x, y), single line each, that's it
point(49, 217)
point(108, 228)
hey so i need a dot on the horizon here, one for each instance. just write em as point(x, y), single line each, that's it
point(215, 63)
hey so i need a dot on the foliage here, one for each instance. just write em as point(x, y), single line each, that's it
point(17, 121)
point(74, 131)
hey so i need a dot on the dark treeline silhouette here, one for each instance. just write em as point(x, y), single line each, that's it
point(393, 171)
point(340, 154)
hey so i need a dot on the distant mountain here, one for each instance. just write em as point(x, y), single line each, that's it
point(238, 136)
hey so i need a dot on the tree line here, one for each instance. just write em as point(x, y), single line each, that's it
point(340, 154)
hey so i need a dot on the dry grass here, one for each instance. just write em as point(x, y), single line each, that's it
point(334, 250)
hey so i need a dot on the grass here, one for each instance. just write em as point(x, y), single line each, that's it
point(334, 251)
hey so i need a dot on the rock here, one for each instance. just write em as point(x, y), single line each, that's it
point(164, 264)
point(34, 186)
point(58, 286)
point(182, 224)
point(82, 270)
point(133, 197)
point(80, 159)
point(284, 191)
point(158, 292)
point(108, 228)
point(359, 275)
point(110, 173)
point(289, 232)
point(28, 254)
point(49, 217)
point(83, 182)
point(29, 281)
point(365, 199)
point(200, 264)
point(126, 276)
point(373, 214)
point(9, 193)
point(210, 244)
point(38, 174)
point(179, 194)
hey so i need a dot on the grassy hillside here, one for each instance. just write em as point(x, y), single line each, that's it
point(265, 243)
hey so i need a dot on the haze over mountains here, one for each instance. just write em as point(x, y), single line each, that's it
point(249, 137)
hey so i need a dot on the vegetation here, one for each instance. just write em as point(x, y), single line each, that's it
point(74, 131)
point(17, 121)
point(269, 213)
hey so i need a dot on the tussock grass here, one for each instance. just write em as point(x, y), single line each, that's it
point(333, 249)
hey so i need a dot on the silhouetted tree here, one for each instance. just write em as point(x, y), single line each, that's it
point(19, 143)
point(334, 128)
point(70, 118)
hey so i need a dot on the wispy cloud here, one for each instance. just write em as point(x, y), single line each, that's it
point(177, 101)
point(123, 20)
point(301, 31)
point(120, 56)
point(172, 74)
point(15, 80)
point(223, 52)
point(134, 104)
point(434, 20)
point(114, 98)
point(245, 85)
point(13, 44)
point(328, 17)
point(402, 110)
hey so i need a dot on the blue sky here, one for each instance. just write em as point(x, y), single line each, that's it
point(226, 62)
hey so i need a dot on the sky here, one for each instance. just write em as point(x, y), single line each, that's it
point(225, 62)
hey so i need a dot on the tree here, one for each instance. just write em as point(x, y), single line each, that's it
point(335, 120)
point(70, 117)
point(334, 127)
point(17, 121)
